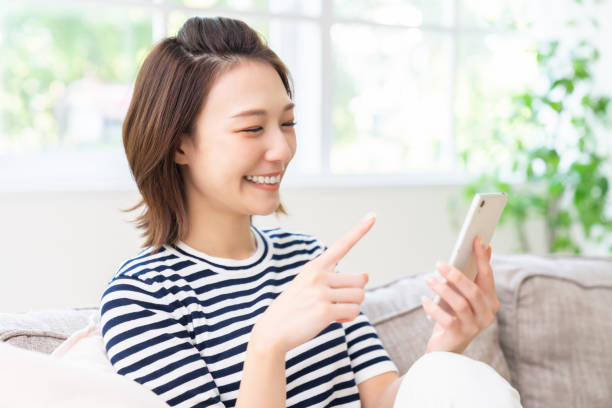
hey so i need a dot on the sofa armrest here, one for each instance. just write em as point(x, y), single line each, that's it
point(554, 324)
point(42, 330)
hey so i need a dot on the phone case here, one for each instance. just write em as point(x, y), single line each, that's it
point(481, 220)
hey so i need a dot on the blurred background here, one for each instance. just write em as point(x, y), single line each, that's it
point(404, 107)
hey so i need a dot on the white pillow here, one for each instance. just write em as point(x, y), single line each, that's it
point(77, 375)
point(85, 346)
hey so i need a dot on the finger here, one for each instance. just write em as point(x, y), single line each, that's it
point(347, 280)
point(343, 312)
point(470, 291)
point(340, 248)
point(458, 303)
point(484, 277)
point(346, 295)
point(440, 316)
point(489, 252)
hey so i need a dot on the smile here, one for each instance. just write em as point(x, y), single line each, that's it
point(264, 180)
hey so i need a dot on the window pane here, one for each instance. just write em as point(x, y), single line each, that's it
point(298, 44)
point(491, 70)
point(504, 14)
point(310, 7)
point(391, 109)
point(66, 75)
point(400, 12)
point(241, 5)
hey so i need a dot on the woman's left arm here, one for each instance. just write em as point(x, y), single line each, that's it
point(475, 307)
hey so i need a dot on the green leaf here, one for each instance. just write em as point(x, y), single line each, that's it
point(580, 66)
point(564, 219)
point(556, 106)
point(566, 83)
point(595, 55)
point(556, 189)
point(600, 106)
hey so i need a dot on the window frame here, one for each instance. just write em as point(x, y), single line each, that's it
point(52, 171)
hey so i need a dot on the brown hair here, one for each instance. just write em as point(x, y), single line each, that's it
point(170, 91)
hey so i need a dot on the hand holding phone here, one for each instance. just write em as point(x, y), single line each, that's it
point(481, 220)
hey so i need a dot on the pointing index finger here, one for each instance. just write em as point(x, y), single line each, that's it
point(341, 247)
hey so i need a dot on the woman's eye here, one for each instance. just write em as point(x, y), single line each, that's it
point(290, 124)
point(252, 130)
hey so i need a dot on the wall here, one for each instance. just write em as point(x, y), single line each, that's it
point(60, 249)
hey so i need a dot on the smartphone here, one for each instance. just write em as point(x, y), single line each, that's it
point(481, 220)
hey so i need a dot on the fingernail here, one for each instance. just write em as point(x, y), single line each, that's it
point(423, 301)
point(431, 280)
point(368, 217)
point(442, 266)
point(482, 245)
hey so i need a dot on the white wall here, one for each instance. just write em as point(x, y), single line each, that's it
point(60, 249)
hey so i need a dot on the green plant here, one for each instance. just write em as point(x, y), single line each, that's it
point(558, 165)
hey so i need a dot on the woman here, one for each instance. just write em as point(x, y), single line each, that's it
point(214, 312)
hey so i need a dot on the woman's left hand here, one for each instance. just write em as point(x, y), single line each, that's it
point(474, 305)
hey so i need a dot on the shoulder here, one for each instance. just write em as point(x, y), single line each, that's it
point(291, 246)
point(147, 279)
point(150, 266)
point(281, 237)
point(148, 272)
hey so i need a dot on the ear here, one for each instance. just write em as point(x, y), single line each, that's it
point(180, 154)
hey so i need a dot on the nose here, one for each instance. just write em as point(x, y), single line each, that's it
point(281, 145)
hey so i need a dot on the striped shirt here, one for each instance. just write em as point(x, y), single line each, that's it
point(179, 321)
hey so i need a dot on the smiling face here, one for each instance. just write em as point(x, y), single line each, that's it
point(244, 133)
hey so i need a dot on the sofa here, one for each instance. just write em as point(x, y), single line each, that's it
point(552, 338)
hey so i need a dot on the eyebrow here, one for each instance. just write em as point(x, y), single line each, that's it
point(259, 112)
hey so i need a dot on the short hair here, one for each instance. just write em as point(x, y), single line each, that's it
point(170, 91)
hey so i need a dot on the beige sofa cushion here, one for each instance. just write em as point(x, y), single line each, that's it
point(556, 328)
point(42, 330)
point(395, 311)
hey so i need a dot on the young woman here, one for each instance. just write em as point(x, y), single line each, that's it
point(215, 312)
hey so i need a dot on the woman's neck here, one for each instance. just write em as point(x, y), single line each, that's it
point(220, 235)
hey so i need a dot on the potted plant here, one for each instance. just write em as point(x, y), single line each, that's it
point(559, 166)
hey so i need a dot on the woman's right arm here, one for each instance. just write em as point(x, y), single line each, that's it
point(147, 334)
point(316, 297)
point(263, 375)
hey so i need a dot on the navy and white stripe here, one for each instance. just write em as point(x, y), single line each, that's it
point(179, 321)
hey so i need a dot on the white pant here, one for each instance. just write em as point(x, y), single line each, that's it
point(451, 380)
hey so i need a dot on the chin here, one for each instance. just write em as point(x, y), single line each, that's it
point(264, 211)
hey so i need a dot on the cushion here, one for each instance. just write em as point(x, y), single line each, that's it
point(86, 347)
point(401, 323)
point(556, 328)
point(33, 379)
point(42, 330)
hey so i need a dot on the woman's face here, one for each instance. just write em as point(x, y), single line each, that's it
point(245, 129)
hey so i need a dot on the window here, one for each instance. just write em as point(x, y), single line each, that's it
point(387, 91)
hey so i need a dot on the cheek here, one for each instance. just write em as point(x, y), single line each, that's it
point(292, 144)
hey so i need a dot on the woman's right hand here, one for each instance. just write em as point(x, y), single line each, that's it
point(317, 296)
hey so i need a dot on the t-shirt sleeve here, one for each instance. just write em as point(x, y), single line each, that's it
point(148, 336)
point(367, 354)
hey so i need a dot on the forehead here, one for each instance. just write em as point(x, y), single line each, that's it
point(247, 85)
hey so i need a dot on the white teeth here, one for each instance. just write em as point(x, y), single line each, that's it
point(264, 180)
